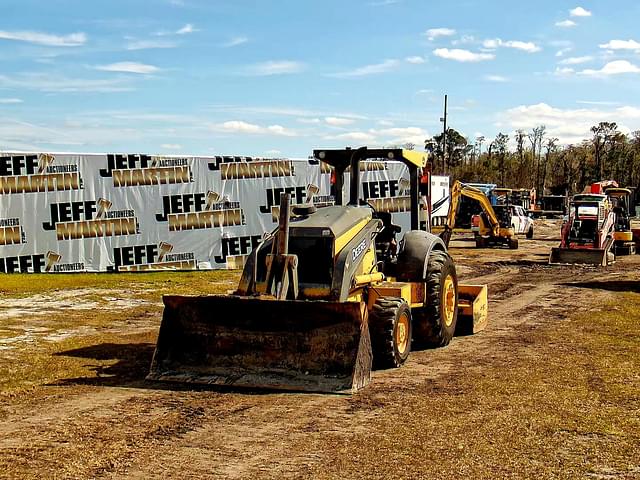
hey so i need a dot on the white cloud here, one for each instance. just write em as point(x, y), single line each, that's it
point(496, 78)
point(579, 12)
point(384, 136)
point(562, 51)
point(171, 146)
point(270, 111)
point(72, 40)
point(463, 40)
point(129, 67)
point(338, 121)
point(273, 152)
point(238, 126)
point(570, 125)
point(309, 121)
point(434, 33)
point(595, 102)
point(373, 69)
point(575, 60)
point(566, 24)
point(382, 3)
point(9, 101)
point(621, 45)
point(415, 60)
point(528, 47)
point(564, 71)
point(401, 135)
point(280, 67)
point(235, 41)
point(616, 67)
point(363, 137)
point(185, 30)
point(51, 83)
point(148, 44)
point(188, 28)
point(460, 55)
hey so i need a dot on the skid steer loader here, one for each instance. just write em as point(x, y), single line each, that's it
point(587, 236)
point(322, 298)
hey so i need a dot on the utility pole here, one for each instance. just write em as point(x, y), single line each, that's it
point(444, 137)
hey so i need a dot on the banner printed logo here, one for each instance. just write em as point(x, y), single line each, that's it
point(365, 166)
point(11, 232)
point(132, 170)
point(192, 211)
point(152, 256)
point(53, 264)
point(90, 219)
point(37, 173)
point(388, 195)
point(234, 250)
point(300, 195)
point(23, 264)
point(237, 168)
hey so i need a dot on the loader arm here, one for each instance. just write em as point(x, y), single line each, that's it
point(458, 190)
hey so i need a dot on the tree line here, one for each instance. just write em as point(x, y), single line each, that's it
point(538, 160)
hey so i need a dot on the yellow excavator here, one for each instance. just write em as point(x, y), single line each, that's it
point(493, 230)
point(324, 297)
point(623, 243)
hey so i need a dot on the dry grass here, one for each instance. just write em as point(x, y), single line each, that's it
point(33, 339)
point(559, 402)
point(201, 282)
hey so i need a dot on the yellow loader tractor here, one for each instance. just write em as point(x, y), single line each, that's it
point(326, 295)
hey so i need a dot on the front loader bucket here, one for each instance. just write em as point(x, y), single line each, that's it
point(591, 256)
point(275, 344)
point(472, 309)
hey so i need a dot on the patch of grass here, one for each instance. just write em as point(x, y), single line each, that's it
point(94, 359)
point(34, 361)
point(197, 282)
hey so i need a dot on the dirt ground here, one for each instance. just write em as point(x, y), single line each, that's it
point(551, 389)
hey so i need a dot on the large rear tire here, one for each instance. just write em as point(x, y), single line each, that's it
point(390, 327)
point(435, 324)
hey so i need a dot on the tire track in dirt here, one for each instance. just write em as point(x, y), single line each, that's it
point(258, 440)
point(240, 435)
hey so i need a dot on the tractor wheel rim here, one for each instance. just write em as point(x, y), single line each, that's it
point(449, 302)
point(402, 333)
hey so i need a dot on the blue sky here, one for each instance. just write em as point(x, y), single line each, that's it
point(278, 78)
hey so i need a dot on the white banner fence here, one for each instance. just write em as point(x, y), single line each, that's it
point(130, 212)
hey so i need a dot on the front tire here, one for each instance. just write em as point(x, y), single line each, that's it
point(435, 323)
point(530, 233)
point(390, 327)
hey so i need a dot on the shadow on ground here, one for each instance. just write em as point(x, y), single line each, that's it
point(132, 361)
point(611, 285)
point(543, 260)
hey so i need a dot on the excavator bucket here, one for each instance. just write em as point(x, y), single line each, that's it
point(590, 256)
point(263, 343)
